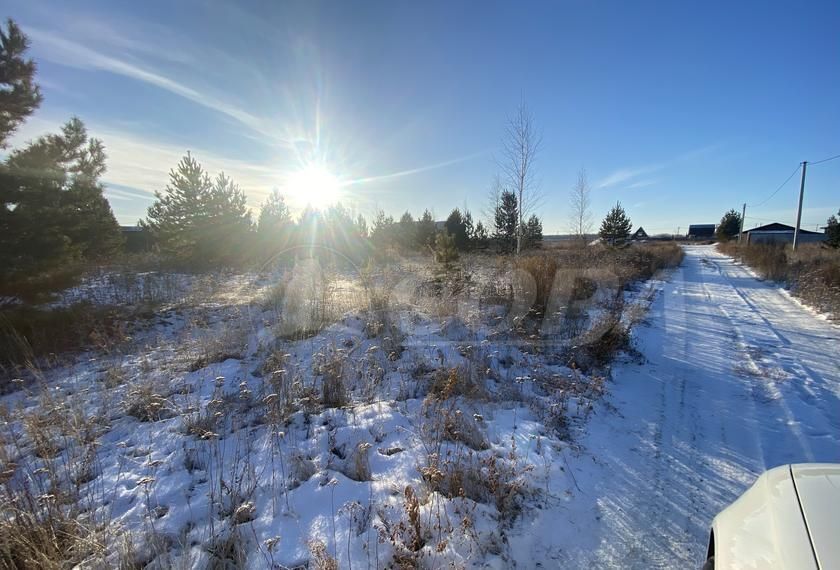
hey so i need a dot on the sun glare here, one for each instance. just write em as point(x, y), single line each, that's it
point(316, 186)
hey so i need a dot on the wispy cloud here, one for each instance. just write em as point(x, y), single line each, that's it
point(625, 174)
point(68, 52)
point(699, 152)
point(642, 183)
point(417, 170)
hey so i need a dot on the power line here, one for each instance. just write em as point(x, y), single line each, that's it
point(824, 160)
point(776, 191)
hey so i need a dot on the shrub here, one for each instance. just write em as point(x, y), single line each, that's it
point(605, 338)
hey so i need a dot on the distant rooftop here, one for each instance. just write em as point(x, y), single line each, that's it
point(777, 228)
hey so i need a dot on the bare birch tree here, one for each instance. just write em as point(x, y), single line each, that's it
point(580, 203)
point(520, 147)
point(494, 196)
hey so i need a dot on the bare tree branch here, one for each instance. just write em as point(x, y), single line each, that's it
point(494, 195)
point(520, 146)
point(579, 201)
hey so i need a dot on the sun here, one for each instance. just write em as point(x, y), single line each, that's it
point(315, 185)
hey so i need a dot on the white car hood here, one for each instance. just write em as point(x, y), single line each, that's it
point(764, 528)
point(818, 487)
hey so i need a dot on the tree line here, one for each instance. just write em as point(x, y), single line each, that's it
point(200, 220)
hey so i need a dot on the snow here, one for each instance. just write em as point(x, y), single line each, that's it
point(738, 378)
point(730, 377)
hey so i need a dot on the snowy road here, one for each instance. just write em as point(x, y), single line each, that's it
point(738, 377)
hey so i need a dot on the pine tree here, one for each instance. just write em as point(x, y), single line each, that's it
point(506, 219)
point(479, 236)
point(832, 231)
point(275, 227)
point(616, 226)
point(198, 221)
point(446, 251)
point(469, 226)
point(425, 235)
point(457, 228)
point(361, 227)
point(729, 227)
point(532, 233)
point(52, 208)
point(19, 95)
point(382, 232)
point(174, 220)
point(338, 234)
point(407, 232)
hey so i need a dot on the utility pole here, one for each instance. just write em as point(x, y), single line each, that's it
point(799, 209)
point(741, 230)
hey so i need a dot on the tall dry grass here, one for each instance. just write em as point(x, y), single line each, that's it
point(812, 272)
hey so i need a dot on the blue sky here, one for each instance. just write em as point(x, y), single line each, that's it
point(680, 110)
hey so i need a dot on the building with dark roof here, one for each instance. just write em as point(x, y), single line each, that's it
point(780, 233)
point(701, 231)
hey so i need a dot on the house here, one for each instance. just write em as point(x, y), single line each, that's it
point(701, 231)
point(640, 234)
point(136, 239)
point(780, 233)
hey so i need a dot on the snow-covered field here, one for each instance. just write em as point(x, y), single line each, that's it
point(432, 434)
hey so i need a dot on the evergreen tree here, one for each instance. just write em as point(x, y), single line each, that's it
point(506, 219)
point(382, 232)
point(52, 208)
point(339, 235)
point(532, 232)
point(616, 226)
point(832, 231)
point(361, 226)
point(729, 227)
point(457, 228)
point(407, 232)
point(198, 221)
point(19, 95)
point(445, 249)
point(479, 236)
point(275, 227)
point(469, 225)
point(274, 214)
point(425, 234)
point(228, 226)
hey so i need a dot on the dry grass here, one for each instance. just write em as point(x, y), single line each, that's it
point(29, 336)
point(320, 558)
point(44, 520)
point(812, 272)
point(769, 260)
point(334, 393)
point(539, 273)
